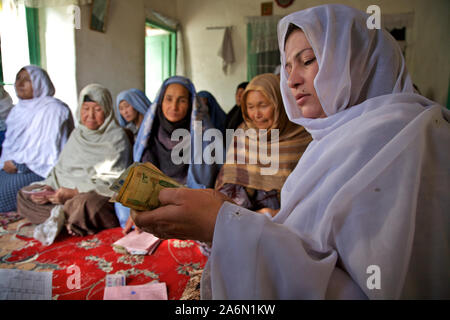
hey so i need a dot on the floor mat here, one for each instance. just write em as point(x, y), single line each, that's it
point(91, 258)
point(8, 217)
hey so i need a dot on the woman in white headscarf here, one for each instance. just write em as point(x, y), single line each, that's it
point(38, 128)
point(365, 212)
point(97, 152)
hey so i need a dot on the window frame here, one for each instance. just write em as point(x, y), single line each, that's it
point(34, 47)
point(172, 45)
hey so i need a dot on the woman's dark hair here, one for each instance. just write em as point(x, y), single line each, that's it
point(242, 85)
point(291, 28)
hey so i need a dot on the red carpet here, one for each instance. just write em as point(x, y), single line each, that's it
point(171, 262)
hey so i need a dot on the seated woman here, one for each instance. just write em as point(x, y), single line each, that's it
point(97, 152)
point(262, 108)
point(176, 107)
point(365, 213)
point(216, 114)
point(37, 129)
point(6, 105)
point(131, 106)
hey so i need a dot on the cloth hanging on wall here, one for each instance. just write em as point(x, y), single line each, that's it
point(226, 52)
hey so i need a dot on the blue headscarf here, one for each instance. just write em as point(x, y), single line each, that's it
point(199, 175)
point(217, 115)
point(136, 98)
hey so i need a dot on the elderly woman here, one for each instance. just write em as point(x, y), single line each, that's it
point(262, 109)
point(97, 152)
point(37, 129)
point(131, 106)
point(365, 212)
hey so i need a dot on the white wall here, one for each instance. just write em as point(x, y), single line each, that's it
point(116, 58)
point(57, 40)
point(428, 62)
point(203, 65)
point(14, 44)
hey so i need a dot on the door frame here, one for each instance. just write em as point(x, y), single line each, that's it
point(172, 44)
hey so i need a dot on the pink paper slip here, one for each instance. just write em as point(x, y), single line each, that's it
point(150, 291)
point(138, 243)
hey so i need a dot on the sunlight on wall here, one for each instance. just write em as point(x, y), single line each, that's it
point(59, 57)
point(14, 42)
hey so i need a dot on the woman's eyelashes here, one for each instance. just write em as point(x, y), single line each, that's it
point(302, 61)
point(309, 61)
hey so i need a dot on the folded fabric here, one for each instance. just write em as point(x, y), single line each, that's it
point(150, 291)
point(138, 243)
point(226, 51)
point(47, 231)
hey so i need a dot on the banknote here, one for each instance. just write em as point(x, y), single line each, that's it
point(118, 183)
point(139, 188)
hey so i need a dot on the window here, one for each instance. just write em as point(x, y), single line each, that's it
point(43, 36)
point(263, 55)
point(14, 43)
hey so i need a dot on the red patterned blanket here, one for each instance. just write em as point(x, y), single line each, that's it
point(172, 262)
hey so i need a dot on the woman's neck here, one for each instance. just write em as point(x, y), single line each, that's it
point(138, 120)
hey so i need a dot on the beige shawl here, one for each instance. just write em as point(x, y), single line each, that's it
point(93, 159)
point(292, 142)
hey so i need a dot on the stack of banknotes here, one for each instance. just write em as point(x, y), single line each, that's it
point(138, 187)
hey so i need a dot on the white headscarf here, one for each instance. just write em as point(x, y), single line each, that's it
point(367, 201)
point(37, 128)
point(93, 159)
point(355, 63)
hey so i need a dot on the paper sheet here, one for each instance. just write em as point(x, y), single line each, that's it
point(25, 285)
point(138, 243)
point(115, 280)
point(150, 291)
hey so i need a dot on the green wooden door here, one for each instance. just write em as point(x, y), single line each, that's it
point(157, 63)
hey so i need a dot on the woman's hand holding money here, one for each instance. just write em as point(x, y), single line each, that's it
point(183, 214)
